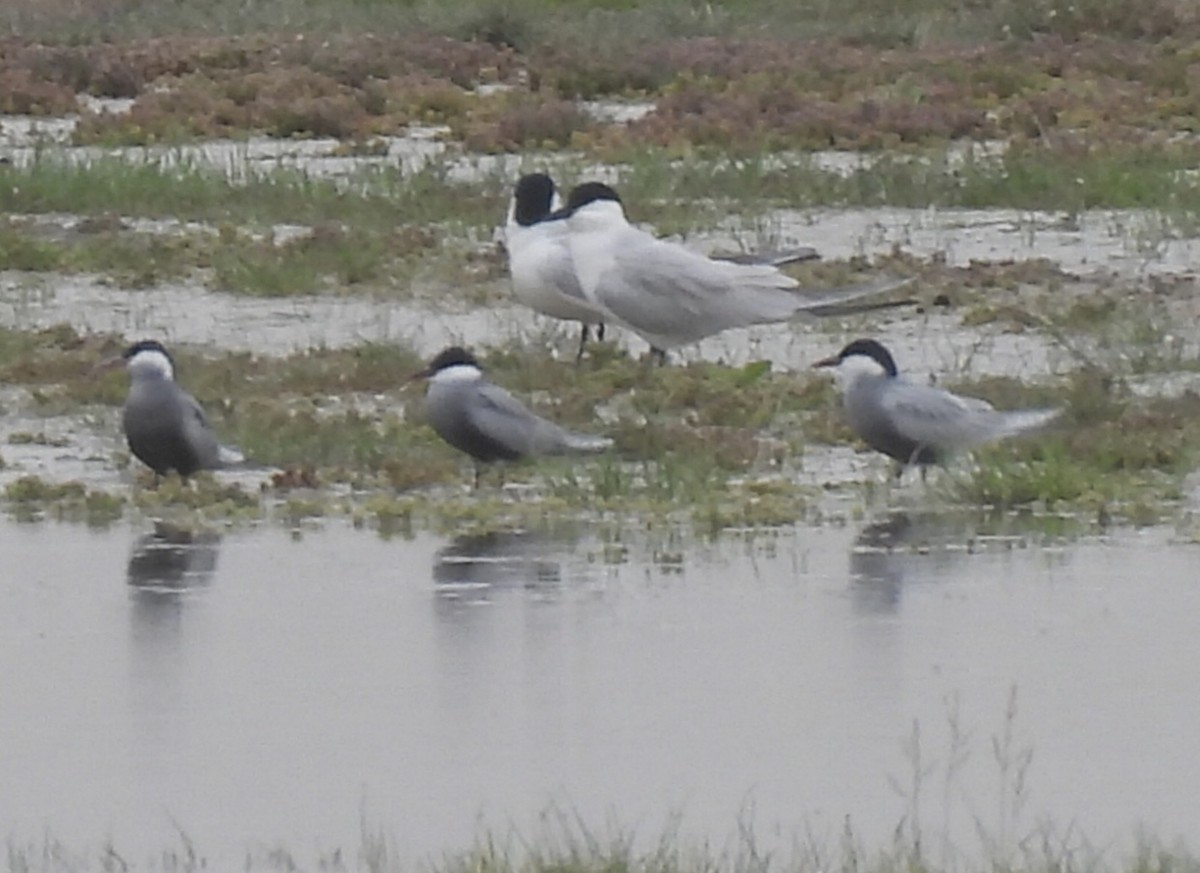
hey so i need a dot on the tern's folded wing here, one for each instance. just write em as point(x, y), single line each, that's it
point(198, 432)
point(663, 289)
point(503, 419)
point(932, 417)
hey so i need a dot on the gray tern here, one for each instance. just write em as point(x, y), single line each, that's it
point(914, 423)
point(164, 425)
point(483, 420)
point(671, 296)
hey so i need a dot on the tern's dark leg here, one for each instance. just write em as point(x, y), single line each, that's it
point(658, 356)
point(583, 338)
point(600, 332)
point(478, 469)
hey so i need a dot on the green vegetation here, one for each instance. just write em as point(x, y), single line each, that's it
point(375, 198)
point(702, 443)
point(1024, 104)
point(379, 214)
point(566, 844)
point(32, 499)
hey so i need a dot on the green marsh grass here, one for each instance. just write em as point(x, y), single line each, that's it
point(677, 194)
point(375, 198)
point(31, 498)
point(717, 446)
point(1028, 176)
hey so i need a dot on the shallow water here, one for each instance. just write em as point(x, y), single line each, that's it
point(258, 690)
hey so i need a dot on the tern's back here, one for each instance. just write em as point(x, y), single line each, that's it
point(453, 410)
point(166, 430)
point(869, 410)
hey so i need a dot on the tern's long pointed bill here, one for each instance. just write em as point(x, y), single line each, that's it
point(828, 302)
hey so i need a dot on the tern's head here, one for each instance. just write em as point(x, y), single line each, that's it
point(863, 358)
point(534, 199)
point(453, 364)
point(591, 192)
point(148, 359)
point(594, 204)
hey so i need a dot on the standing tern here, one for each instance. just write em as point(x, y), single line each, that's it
point(483, 420)
point(671, 296)
point(543, 277)
point(164, 425)
point(914, 423)
point(539, 257)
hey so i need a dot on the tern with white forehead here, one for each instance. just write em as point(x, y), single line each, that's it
point(164, 425)
point(485, 421)
point(671, 296)
point(539, 261)
point(914, 423)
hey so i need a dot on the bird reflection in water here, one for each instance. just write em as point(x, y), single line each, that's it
point(171, 561)
point(906, 547)
point(166, 567)
point(471, 567)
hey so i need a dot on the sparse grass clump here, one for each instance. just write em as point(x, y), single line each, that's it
point(205, 495)
point(31, 498)
point(1135, 456)
point(325, 259)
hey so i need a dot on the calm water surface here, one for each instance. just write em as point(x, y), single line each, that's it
point(257, 691)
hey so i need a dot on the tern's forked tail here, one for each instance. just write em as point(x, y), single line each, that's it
point(585, 443)
point(1020, 421)
point(228, 456)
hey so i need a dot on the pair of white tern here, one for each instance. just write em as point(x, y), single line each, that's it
point(587, 263)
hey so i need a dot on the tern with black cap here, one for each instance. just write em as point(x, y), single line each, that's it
point(543, 277)
point(670, 295)
point(483, 420)
point(914, 423)
point(164, 425)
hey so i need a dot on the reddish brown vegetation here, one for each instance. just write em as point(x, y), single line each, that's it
point(727, 93)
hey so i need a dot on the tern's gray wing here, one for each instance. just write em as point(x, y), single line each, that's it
point(543, 273)
point(198, 432)
point(505, 420)
point(557, 271)
point(931, 416)
point(671, 295)
point(663, 289)
point(166, 428)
